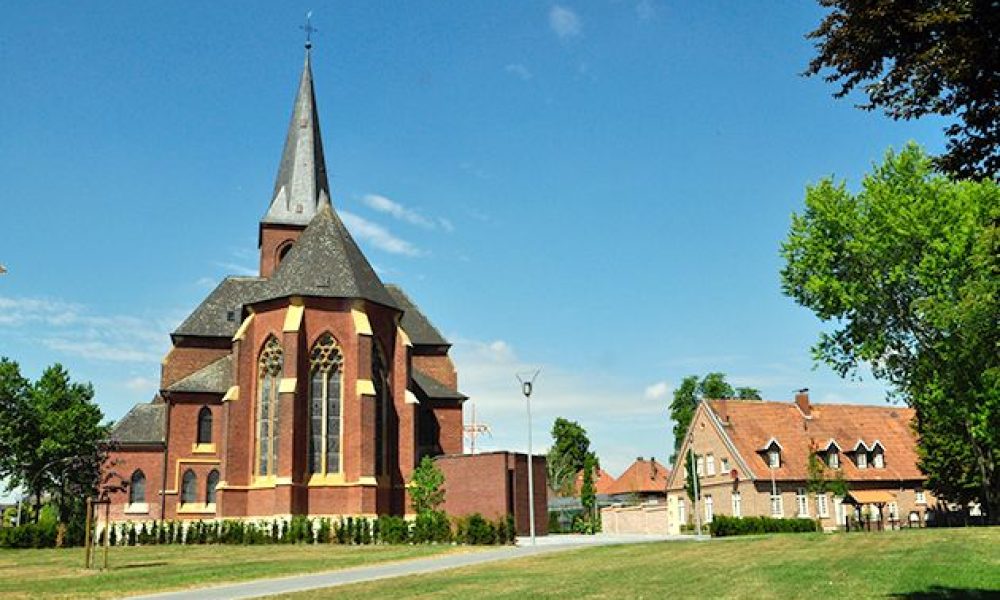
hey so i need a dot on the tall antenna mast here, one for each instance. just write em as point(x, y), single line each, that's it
point(475, 429)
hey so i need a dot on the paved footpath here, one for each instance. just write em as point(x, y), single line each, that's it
point(299, 583)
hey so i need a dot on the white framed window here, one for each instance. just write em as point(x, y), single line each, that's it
point(838, 510)
point(833, 459)
point(777, 510)
point(893, 511)
point(801, 503)
point(701, 466)
point(878, 459)
point(921, 498)
point(862, 459)
point(773, 458)
point(724, 465)
point(709, 509)
point(822, 507)
point(737, 505)
point(710, 464)
point(682, 511)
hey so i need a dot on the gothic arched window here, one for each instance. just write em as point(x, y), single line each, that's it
point(210, 484)
point(325, 366)
point(189, 487)
point(269, 374)
point(381, 383)
point(205, 425)
point(137, 487)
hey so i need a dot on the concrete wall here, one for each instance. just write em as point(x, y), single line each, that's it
point(642, 519)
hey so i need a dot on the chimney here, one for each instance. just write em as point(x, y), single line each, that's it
point(802, 401)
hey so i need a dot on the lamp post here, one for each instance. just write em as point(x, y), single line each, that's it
point(527, 384)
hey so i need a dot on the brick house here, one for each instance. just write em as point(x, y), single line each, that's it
point(753, 461)
point(643, 481)
point(312, 388)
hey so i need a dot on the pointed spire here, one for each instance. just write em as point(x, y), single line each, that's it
point(301, 187)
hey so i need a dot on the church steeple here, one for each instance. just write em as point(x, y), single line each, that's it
point(301, 187)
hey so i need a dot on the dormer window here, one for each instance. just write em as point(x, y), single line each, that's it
point(772, 450)
point(878, 456)
point(861, 458)
point(833, 459)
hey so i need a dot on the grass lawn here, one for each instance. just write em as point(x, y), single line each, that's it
point(59, 573)
point(919, 564)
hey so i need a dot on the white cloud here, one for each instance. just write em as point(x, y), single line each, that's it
point(141, 384)
point(657, 390)
point(384, 205)
point(73, 329)
point(237, 269)
point(518, 70)
point(378, 236)
point(446, 224)
point(564, 22)
point(621, 421)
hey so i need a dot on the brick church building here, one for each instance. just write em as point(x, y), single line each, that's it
point(310, 389)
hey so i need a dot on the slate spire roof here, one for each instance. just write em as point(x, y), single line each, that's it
point(301, 187)
point(326, 262)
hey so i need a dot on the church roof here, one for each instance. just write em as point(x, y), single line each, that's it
point(144, 424)
point(325, 262)
point(301, 187)
point(212, 318)
point(432, 388)
point(214, 378)
point(416, 325)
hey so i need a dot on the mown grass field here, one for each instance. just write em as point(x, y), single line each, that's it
point(59, 573)
point(911, 565)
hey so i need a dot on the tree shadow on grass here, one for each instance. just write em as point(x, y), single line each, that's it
point(937, 592)
point(140, 565)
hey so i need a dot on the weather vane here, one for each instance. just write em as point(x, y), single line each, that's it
point(309, 29)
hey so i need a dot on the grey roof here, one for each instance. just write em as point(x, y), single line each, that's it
point(214, 378)
point(211, 318)
point(144, 424)
point(325, 262)
point(416, 325)
point(432, 388)
point(301, 187)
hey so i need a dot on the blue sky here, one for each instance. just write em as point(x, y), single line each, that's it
point(597, 189)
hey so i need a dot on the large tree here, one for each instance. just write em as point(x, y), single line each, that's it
point(568, 454)
point(691, 391)
point(52, 436)
point(914, 58)
point(907, 273)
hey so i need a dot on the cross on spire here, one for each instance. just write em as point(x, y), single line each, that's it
point(309, 29)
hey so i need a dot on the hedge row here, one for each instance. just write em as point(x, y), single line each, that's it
point(723, 526)
point(30, 535)
point(427, 528)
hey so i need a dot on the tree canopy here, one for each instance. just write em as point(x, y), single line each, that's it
point(691, 391)
point(907, 273)
point(918, 58)
point(568, 454)
point(51, 436)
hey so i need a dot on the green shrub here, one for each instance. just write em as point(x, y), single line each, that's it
point(393, 530)
point(29, 535)
point(723, 526)
point(431, 527)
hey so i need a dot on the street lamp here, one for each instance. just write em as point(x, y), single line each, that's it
point(527, 384)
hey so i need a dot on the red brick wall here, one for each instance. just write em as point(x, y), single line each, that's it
point(273, 238)
point(480, 483)
point(124, 463)
point(184, 360)
point(440, 368)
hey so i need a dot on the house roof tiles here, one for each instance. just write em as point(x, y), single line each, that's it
point(643, 476)
point(751, 424)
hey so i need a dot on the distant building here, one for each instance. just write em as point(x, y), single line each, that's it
point(644, 481)
point(753, 461)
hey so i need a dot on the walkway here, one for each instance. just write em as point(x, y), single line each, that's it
point(299, 583)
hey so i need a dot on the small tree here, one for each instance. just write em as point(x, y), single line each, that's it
point(426, 494)
point(816, 472)
point(588, 493)
point(692, 472)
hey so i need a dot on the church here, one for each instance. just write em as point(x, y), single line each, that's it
point(311, 389)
